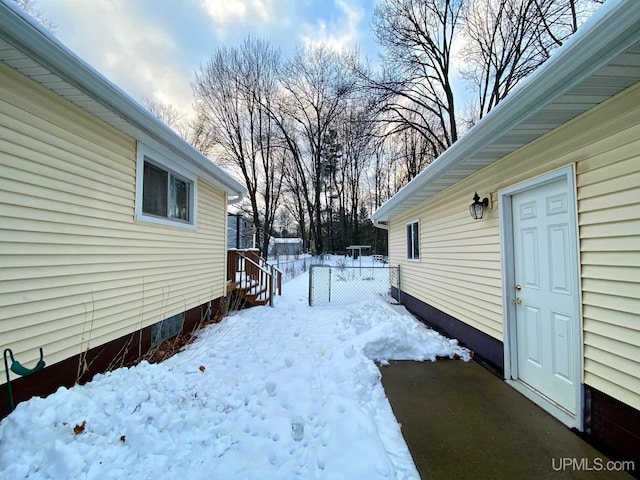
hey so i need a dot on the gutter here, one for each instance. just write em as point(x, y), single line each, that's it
point(234, 200)
point(382, 224)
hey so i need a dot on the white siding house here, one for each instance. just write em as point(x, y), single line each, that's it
point(546, 286)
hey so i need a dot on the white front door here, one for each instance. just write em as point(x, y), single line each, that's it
point(544, 293)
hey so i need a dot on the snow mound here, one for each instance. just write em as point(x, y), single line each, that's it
point(389, 333)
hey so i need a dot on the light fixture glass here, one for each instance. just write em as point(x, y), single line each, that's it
point(478, 207)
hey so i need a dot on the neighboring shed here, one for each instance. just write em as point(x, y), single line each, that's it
point(285, 246)
point(110, 223)
point(546, 287)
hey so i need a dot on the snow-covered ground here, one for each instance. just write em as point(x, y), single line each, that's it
point(293, 265)
point(269, 393)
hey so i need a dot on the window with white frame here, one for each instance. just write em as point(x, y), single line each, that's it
point(413, 240)
point(164, 195)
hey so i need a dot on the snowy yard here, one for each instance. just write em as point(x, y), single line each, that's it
point(269, 393)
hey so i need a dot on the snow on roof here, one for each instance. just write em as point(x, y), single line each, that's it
point(286, 240)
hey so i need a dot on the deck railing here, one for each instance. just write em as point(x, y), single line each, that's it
point(252, 277)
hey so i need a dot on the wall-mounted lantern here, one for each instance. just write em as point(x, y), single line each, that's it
point(478, 207)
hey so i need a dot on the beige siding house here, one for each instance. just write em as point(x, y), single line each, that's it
point(545, 287)
point(109, 222)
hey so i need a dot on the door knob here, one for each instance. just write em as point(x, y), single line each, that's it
point(517, 301)
point(518, 287)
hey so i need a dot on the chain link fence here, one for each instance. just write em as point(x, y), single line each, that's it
point(342, 284)
point(292, 266)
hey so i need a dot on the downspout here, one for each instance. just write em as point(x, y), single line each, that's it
point(237, 220)
point(384, 225)
point(230, 201)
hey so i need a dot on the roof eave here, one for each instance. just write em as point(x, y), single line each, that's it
point(29, 37)
point(610, 32)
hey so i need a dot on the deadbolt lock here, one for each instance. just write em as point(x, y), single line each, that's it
point(518, 287)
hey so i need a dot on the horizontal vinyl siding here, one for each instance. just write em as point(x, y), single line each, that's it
point(608, 206)
point(77, 269)
point(460, 267)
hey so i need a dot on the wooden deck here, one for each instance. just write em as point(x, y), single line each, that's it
point(252, 278)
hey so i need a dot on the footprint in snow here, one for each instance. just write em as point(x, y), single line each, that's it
point(325, 436)
point(273, 459)
point(270, 387)
point(350, 351)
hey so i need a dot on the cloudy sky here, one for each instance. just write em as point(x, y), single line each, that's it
point(151, 48)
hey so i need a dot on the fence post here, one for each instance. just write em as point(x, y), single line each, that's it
point(311, 286)
point(271, 290)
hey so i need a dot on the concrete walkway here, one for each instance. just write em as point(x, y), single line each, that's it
point(460, 422)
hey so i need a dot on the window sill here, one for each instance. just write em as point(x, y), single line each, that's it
point(167, 222)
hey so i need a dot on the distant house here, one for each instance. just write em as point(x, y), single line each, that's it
point(111, 225)
point(546, 286)
point(285, 246)
point(240, 233)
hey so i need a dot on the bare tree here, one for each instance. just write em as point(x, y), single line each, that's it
point(315, 85)
point(395, 161)
point(234, 92)
point(414, 154)
point(561, 18)
point(506, 40)
point(298, 200)
point(355, 133)
point(415, 87)
point(169, 115)
point(163, 111)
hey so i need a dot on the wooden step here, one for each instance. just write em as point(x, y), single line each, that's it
point(252, 297)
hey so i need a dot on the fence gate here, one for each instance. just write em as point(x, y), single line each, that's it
point(342, 285)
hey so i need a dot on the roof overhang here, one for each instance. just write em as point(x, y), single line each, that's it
point(599, 61)
point(29, 49)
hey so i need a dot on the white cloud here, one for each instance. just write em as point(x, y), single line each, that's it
point(245, 12)
point(139, 56)
point(339, 33)
point(151, 48)
point(226, 11)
